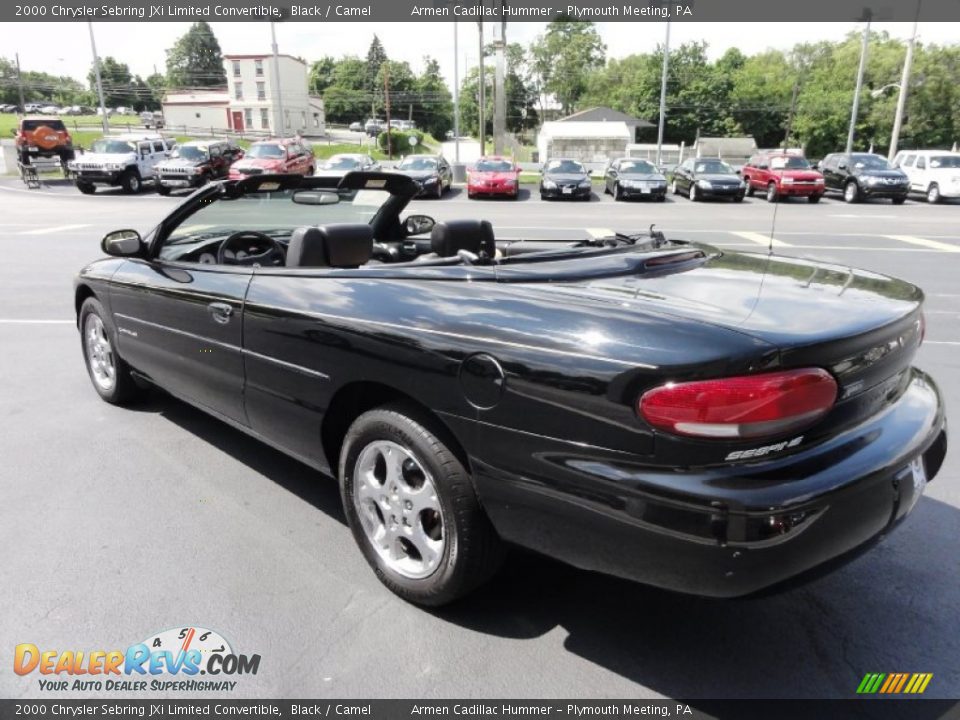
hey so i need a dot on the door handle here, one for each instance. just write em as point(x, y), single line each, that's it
point(221, 312)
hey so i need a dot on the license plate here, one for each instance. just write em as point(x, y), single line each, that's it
point(644, 189)
point(176, 183)
point(32, 148)
point(567, 191)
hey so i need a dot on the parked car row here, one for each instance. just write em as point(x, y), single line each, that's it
point(50, 109)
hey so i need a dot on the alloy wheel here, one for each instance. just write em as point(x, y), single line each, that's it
point(397, 504)
point(933, 195)
point(100, 353)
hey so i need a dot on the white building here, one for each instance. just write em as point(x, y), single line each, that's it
point(249, 104)
point(589, 142)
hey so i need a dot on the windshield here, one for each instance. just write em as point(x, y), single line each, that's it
point(718, 167)
point(418, 163)
point(272, 213)
point(190, 152)
point(565, 166)
point(494, 166)
point(945, 161)
point(871, 162)
point(266, 150)
point(342, 163)
point(113, 147)
point(637, 166)
point(789, 162)
point(52, 124)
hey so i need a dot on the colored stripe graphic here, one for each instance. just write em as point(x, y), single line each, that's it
point(894, 683)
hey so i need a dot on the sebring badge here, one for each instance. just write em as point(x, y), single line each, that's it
point(765, 450)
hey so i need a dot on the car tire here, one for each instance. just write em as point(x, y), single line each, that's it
point(933, 194)
point(814, 199)
point(749, 190)
point(86, 188)
point(163, 189)
point(738, 198)
point(617, 193)
point(412, 508)
point(673, 188)
point(692, 193)
point(898, 200)
point(662, 198)
point(851, 192)
point(108, 372)
point(130, 182)
point(772, 192)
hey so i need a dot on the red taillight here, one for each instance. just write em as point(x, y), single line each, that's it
point(741, 407)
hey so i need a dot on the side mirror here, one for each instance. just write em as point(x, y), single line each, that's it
point(419, 224)
point(842, 166)
point(122, 243)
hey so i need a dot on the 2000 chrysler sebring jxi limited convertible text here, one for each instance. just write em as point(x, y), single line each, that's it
point(706, 421)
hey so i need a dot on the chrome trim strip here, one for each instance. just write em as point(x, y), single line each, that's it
point(228, 346)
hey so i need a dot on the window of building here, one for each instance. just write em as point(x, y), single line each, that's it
point(264, 118)
point(316, 120)
point(303, 118)
point(236, 69)
point(286, 118)
point(238, 91)
point(259, 65)
point(261, 91)
point(248, 117)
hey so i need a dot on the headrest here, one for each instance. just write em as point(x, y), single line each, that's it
point(338, 246)
point(448, 238)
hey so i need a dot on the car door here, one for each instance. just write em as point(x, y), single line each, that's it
point(918, 181)
point(446, 176)
point(685, 175)
point(218, 163)
point(829, 169)
point(180, 324)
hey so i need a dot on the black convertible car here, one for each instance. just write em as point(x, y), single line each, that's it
point(706, 421)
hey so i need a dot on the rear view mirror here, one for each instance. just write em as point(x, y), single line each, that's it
point(418, 224)
point(122, 243)
point(315, 197)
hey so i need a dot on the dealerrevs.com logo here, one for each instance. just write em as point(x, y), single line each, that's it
point(172, 660)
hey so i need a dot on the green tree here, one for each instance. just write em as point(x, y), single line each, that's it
point(376, 57)
point(433, 112)
point(118, 85)
point(195, 59)
point(157, 84)
point(564, 58)
point(346, 99)
point(321, 75)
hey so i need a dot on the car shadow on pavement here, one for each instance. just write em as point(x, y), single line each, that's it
point(308, 484)
point(891, 610)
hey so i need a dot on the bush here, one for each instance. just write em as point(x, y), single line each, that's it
point(400, 141)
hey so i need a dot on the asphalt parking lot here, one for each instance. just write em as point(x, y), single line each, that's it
point(120, 523)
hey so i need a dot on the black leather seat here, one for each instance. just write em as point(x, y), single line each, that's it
point(345, 245)
point(449, 238)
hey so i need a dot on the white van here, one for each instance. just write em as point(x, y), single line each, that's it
point(935, 173)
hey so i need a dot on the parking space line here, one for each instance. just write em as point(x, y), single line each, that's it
point(923, 242)
point(17, 321)
point(758, 238)
point(941, 342)
point(51, 230)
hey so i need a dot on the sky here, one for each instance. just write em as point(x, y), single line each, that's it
point(64, 48)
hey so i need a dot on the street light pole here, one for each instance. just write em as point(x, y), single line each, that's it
point(663, 94)
point(856, 93)
point(456, 96)
point(96, 72)
point(483, 94)
point(276, 82)
point(904, 84)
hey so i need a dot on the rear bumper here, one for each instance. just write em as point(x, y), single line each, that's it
point(720, 531)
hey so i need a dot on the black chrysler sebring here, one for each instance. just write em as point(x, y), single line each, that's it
point(705, 421)
point(565, 179)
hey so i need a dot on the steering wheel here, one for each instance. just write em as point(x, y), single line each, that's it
point(273, 255)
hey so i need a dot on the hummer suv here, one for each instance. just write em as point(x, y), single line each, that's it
point(196, 163)
point(127, 161)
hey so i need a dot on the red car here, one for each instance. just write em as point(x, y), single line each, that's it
point(289, 156)
point(782, 175)
point(494, 176)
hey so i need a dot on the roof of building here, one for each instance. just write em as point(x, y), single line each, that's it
point(605, 114)
point(725, 145)
point(215, 96)
point(263, 56)
point(602, 129)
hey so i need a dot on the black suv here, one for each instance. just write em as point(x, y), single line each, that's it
point(859, 176)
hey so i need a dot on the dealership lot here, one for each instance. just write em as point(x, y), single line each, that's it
point(120, 523)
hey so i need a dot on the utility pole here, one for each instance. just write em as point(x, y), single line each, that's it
point(793, 110)
point(19, 81)
point(663, 95)
point(276, 82)
point(904, 85)
point(856, 93)
point(456, 96)
point(386, 105)
point(96, 72)
point(500, 90)
point(482, 99)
